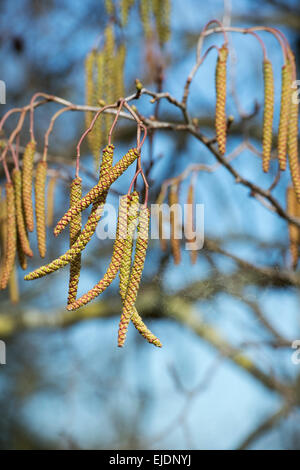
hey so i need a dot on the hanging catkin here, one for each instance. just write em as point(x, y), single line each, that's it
point(13, 287)
point(109, 73)
point(75, 229)
point(104, 184)
point(11, 236)
point(21, 255)
point(174, 222)
point(268, 114)
point(189, 228)
point(27, 177)
point(22, 233)
point(161, 10)
point(284, 114)
point(136, 274)
point(3, 229)
point(221, 123)
point(50, 200)
point(125, 8)
point(109, 6)
point(114, 265)
point(145, 12)
point(293, 142)
point(292, 209)
point(40, 210)
point(86, 233)
point(119, 72)
point(126, 267)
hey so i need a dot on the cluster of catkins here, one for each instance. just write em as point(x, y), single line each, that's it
point(287, 141)
point(131, 214)
point(17, 217)
point(104, 74)
point(176, 228)
point(159, 10)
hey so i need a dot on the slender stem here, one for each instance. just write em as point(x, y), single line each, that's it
point(50, 128)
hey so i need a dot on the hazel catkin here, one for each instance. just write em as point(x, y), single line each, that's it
point(75, 229)
point(40, 210)
point(221, 83)
point(136, 274)
point(21, 227)
point(268, 114)
point(27, 178)
point(11, 236)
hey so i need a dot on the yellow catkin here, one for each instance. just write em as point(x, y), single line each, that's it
point(40, 210)
point(3, 216)
point(135, 275)
point(125, 8)
point(116, 259)
point(284, 115)
point(27, 178)
point(160, 221)
point(293, 141)
point(221, 82)
point(21, 255)
point(174, 222)
point(110, 73)
point(50, 200)
point(119, 72)
point(91, 98)
point(14, 287)
point(145, 12)
point(104, 184)
point(161, 10)
point(75, 229)
point(87, 232)
point(125, 269)
point(189, 228)
point(21, 227)
point(293, 209)
point(109, 6)
point(11, 236)
point(268, 114)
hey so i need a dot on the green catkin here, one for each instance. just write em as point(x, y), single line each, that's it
point(115, 263)
point(292, 209)
point(175, 242)
point(125, 268)
point(104, 184)
point(284, 115)
point(50, 200)
point(2, 230)
point(221, 81)
point(21, 227)
point(40, 209)
point(75, 229)
point(87, 232)
point(268, 114)
point(11, 236)
point(27, 178)
point(293, 142)
point(135, 275)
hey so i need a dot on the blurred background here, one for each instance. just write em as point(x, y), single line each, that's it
point(224, 378)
